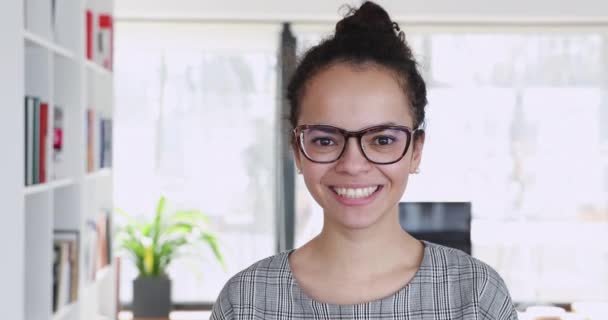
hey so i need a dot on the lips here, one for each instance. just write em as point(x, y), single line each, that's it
point(355, 193)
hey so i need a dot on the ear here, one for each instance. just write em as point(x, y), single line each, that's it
point(418, 145)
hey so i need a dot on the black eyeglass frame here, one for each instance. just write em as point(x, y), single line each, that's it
point(298, 131)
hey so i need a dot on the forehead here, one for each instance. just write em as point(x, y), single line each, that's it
point(354, 97)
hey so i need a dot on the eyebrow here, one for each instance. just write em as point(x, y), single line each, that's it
point(389, 123)
point(325, 127)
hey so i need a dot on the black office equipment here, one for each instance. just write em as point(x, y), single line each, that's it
point(445, 223)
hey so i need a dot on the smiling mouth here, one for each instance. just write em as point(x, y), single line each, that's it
point(356, 193)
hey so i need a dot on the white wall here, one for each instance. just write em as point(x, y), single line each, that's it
point(12, 234)
point(584, 11)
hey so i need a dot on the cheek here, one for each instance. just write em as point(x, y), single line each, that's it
point(397, 173)
point(314, 186)
point(313, 174)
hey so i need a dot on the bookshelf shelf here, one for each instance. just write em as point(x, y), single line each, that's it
point(65, 311)
point(62, 183)
point(40, 41)
point(48, 186)
point(37, 188)
point(96, 68)
point(99, 174)
point(102, 275)
point(59, 217)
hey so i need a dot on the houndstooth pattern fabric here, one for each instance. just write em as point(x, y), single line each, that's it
point(449, 285)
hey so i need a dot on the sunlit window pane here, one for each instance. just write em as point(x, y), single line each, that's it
point(195, 118)
point(517, 124)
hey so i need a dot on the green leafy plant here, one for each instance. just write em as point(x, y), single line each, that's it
point(154, 244)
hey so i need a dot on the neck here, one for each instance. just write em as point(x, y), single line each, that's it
point(379, 248)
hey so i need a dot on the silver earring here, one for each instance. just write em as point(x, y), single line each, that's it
point(417, 171)
point(299, 171)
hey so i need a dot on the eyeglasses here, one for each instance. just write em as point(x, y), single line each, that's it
point(384, 144)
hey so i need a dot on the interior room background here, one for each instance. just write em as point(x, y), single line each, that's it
point(517, 125)
point(517, 128)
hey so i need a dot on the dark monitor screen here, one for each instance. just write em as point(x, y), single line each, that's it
point(445, 223)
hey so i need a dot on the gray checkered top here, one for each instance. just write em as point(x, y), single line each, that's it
point(449, 285)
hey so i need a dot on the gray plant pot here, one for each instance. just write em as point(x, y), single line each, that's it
point(151, 297)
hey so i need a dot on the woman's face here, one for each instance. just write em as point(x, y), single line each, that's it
point(355, 98)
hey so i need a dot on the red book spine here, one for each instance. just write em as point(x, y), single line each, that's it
point(89, 22)
point(105, 23)
point(44, 118)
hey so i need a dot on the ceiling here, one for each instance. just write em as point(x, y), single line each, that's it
point(554, 11)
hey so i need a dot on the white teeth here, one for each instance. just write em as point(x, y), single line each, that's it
point(356, 192)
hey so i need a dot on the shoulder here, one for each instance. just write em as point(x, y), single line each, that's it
point(266, 273)
point(240, 291)
point(276, 265)
point(486, 285)
point(458, 263)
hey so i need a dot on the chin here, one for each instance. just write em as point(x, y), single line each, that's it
point(355, 219)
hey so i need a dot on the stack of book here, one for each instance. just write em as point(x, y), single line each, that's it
point(36, 129)
point(36, 140)
point(65, 268)
point(98, 245)
point(99, 38)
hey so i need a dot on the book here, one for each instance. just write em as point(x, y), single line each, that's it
point(56, 273)
point(36, 142)
point(102, 241)
point(58, 126)
point(54, 17)
point(102, 151)
point(96, 141)
point(106, 143)
point(108, 238)
point(90, 246)
point(63, 276)
point(98, 252)
point(90, 123)
point(36, 135)
point(89, 33)
point(105, 40)
point(44, 118)
point(65, 267)
point(30, 105)
point(118, 268)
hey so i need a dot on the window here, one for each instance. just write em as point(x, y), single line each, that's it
point(195, 121)
point(517, 124)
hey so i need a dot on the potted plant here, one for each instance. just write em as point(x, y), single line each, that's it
point(153, 245)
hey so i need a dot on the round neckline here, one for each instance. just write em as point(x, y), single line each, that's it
point(294, 283)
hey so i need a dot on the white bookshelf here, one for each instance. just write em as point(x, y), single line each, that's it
point(65, 312)
point(60, 183)
point(12, 273)
point(45, 57)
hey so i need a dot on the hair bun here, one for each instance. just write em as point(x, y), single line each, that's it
point(369, 18)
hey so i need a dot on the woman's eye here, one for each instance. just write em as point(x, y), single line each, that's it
point(384, 140)
point(323, 142)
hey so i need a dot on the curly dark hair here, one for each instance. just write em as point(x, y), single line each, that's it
point(364, 36)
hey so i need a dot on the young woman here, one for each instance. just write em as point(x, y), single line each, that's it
point(357, 106)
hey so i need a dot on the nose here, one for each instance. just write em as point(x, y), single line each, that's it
point(353, 161)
